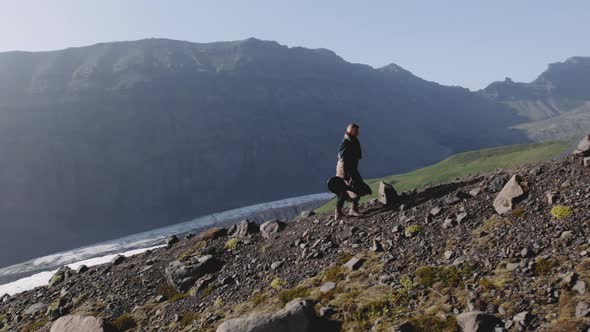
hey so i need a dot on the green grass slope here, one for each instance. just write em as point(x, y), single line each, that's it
point(465, 164)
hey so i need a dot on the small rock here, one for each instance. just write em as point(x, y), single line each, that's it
point(523, 318)
point(452, 200)
point(527, 253)
point(580, 287)
point(512, 266)
point(477, 321)
point(449, 254)
point(201, 284)
point(536, 170)
point(461, 216)
point(271, 228)
point(171, 240)
point(118, 259)
point(328, 286)
point(582, 310)
point(377, 246)
point(475, 191)
point(435, 211)
point(81, 269)
point(567, 234)
point(551, 198)
point(227, 281)
point(448, 223)
point(307, 214)
point(496, 184)
point(34, 309)
point(354, 264)
point(570, 279)
point(276, 265)
point(386, 279)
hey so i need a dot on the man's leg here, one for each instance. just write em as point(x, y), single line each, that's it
point(354, 209)
point(339, 205)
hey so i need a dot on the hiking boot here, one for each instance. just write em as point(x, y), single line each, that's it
point(354, 209)
point(338, 214)
point(354, 213)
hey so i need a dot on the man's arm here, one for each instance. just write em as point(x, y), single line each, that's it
point(345, 154)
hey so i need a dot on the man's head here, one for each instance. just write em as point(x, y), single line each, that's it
point(352, 130)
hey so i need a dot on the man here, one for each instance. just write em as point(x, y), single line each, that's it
point(349, 154)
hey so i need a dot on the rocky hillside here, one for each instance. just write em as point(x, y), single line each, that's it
point(557, 103)
point(116, 138)
point(501, 251)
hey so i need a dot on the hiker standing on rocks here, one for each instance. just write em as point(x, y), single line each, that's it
point(349, 154)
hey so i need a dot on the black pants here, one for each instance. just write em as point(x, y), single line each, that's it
point(343, 197)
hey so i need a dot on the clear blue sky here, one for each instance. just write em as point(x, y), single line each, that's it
point(468, 43)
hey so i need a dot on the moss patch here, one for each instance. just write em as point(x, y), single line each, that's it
point(561, 211)
point(288, 295)
point(334, 274)
point(170, 293)
point(277, 283)
point(434, 324)
point(448, 276)
point(232, 243)
point(125, 322)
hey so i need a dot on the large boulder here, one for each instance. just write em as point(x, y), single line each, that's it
point(74, 323)
point(243, 229)
point(387, 194)
point(271, 228)
point(509, 194)
point(297, 316)
point(62, 274)
point(182, 275)
point(477, 321)
point(583, 148)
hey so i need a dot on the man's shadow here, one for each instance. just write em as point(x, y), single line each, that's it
point(422, 196)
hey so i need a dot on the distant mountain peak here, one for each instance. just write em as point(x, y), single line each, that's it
point(392, 67)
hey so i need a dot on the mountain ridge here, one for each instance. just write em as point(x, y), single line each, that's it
point(553, 102)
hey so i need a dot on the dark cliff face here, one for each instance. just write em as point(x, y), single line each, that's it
point(114, 138)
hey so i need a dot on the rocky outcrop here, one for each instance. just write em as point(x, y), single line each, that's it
point(297, 316)
point(509, 194)
point(182, 275)
point(243, 229)
point(81, 324)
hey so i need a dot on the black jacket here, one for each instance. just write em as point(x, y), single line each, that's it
point(350, 153)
